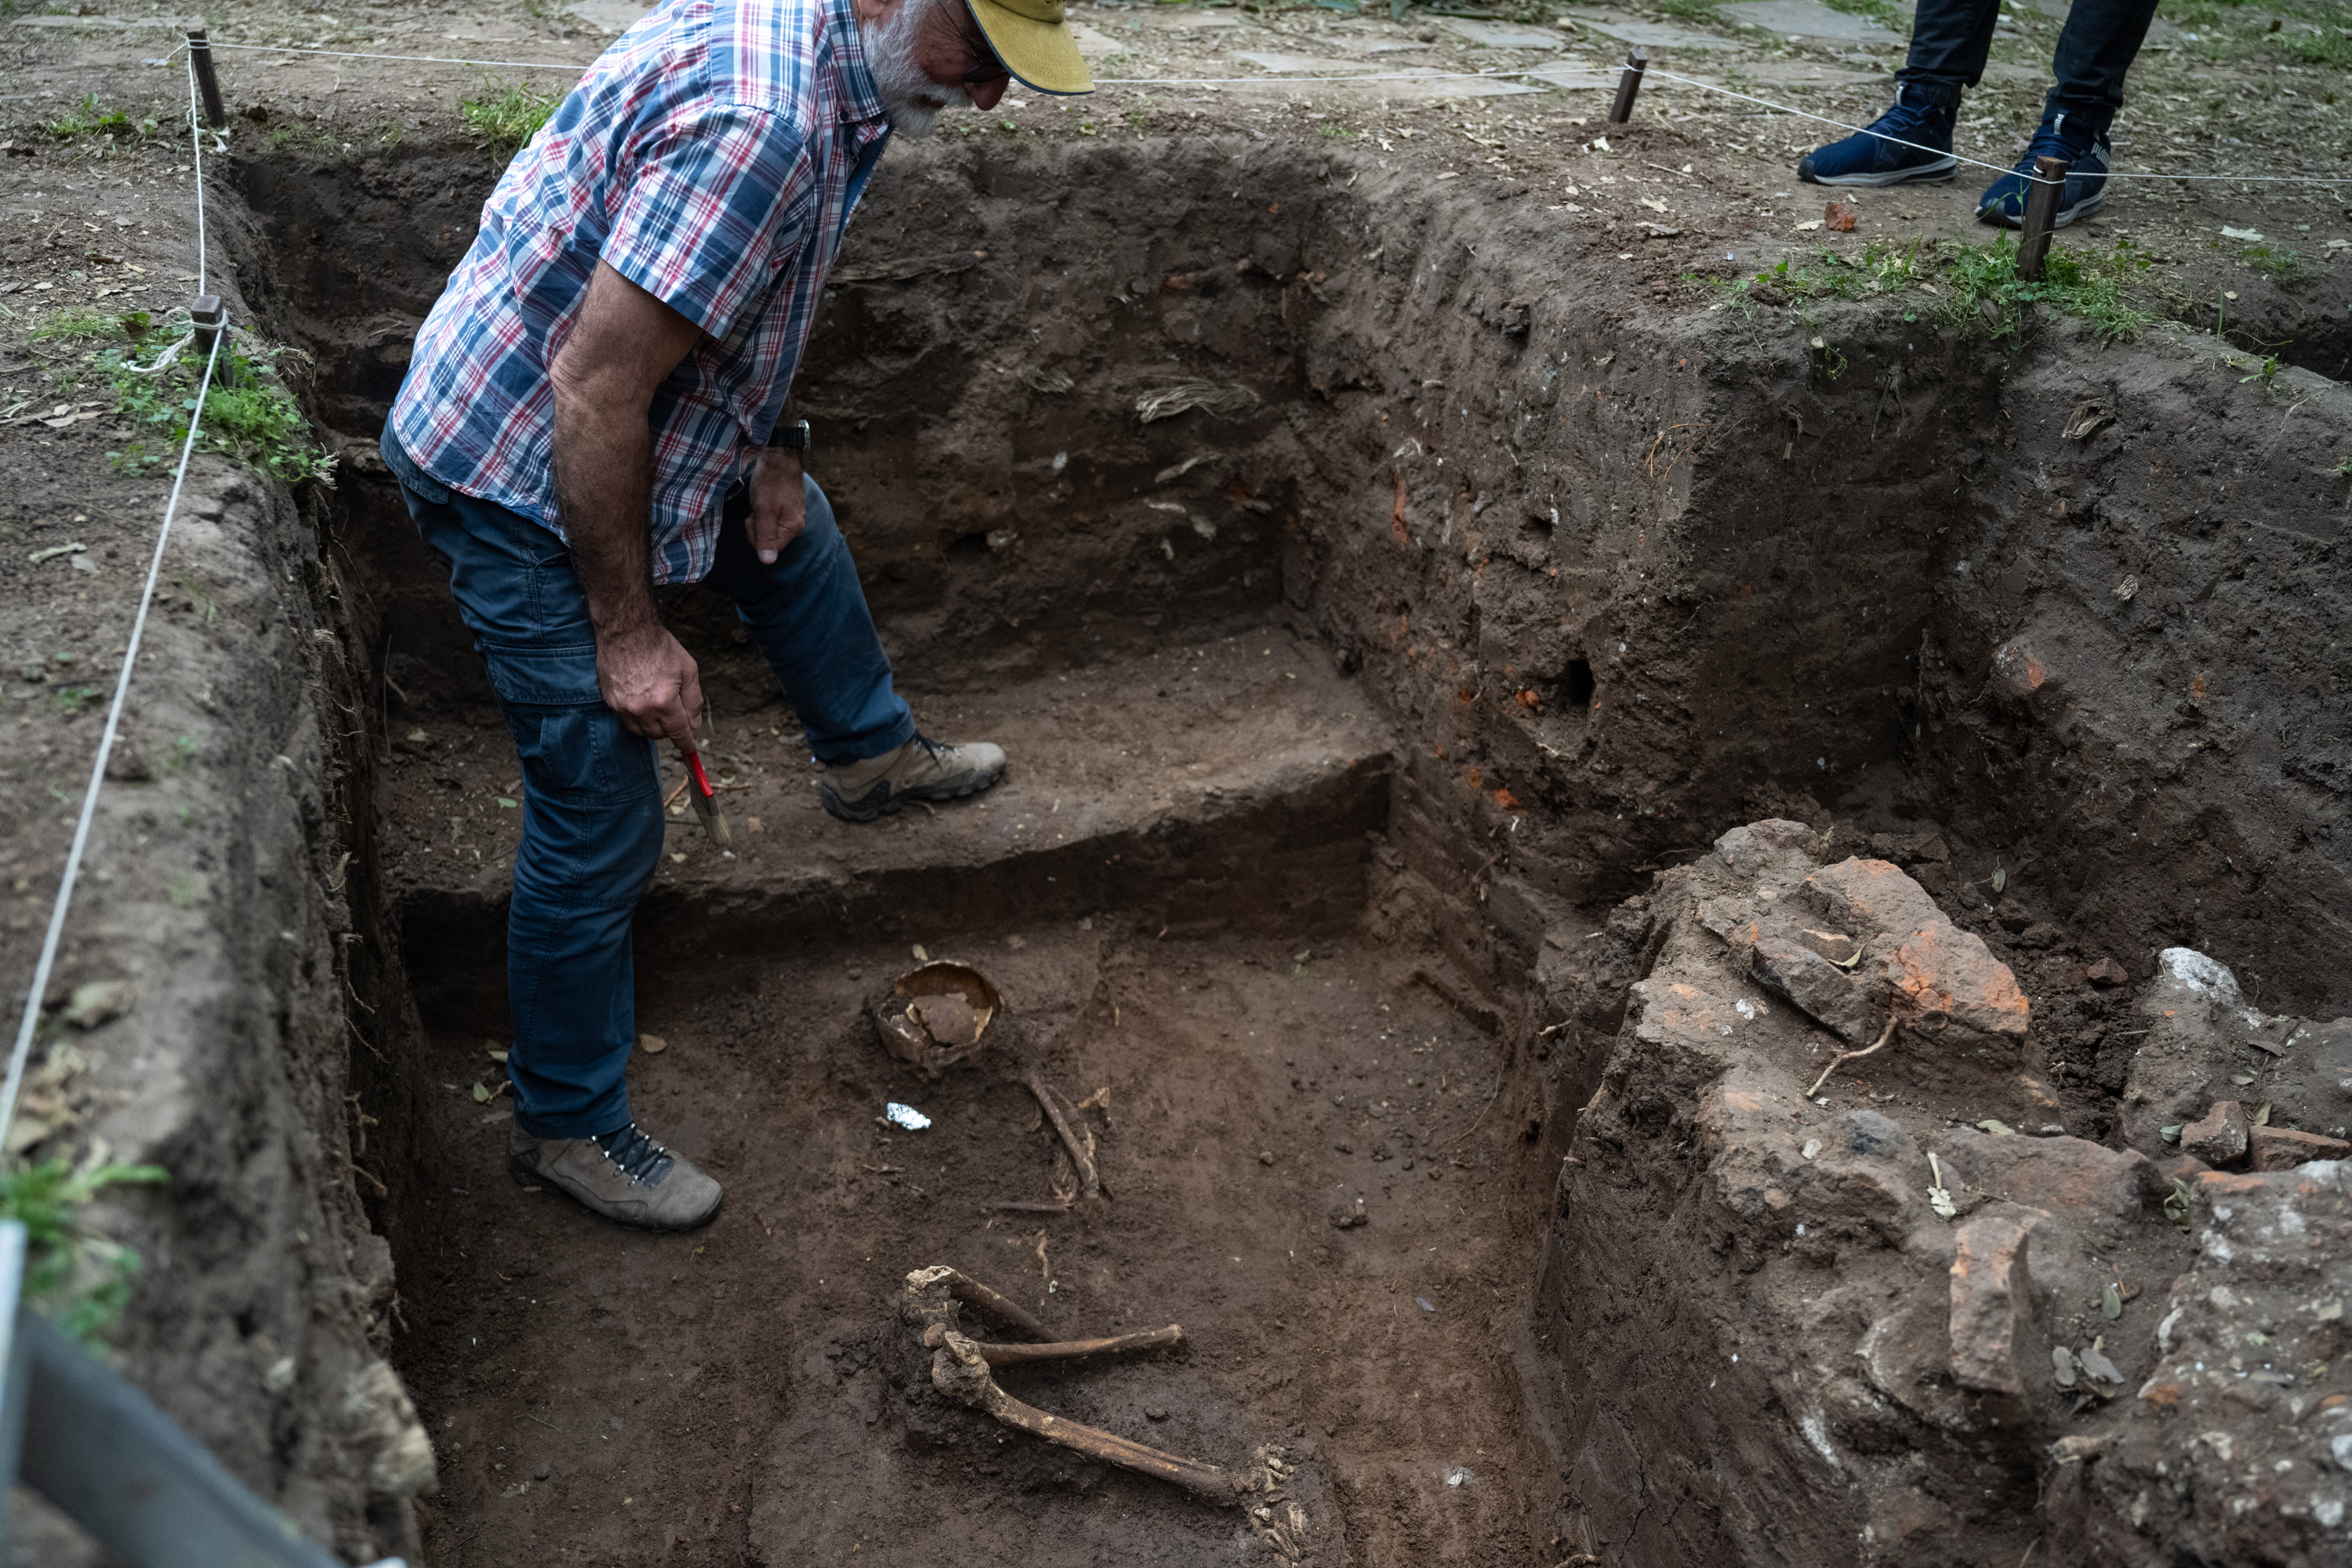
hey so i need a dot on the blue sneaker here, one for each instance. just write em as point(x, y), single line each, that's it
point(2087, 155)
point(1910, 142)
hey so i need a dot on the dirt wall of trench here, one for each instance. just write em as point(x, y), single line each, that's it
point(1620, 577)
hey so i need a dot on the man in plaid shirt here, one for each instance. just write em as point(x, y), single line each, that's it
point(595, 406)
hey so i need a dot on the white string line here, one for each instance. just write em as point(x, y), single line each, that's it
point(197, 150)
point(41, 969)
point(1254, 80)
point(1103, 81)
point(1996, 168)
point(1383, 76)
point(416, 59)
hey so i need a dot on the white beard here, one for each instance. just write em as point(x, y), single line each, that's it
point(910, 100)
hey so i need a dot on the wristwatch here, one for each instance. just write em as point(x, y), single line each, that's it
point(792, 437)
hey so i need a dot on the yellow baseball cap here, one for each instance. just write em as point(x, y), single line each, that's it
point(1033, 38)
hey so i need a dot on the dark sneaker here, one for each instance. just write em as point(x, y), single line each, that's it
point(922, 769)
point(1910, 142)
point(624, 1175)
point(2087, 155)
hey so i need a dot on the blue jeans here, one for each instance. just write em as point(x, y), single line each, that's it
point(1951, 38)
point(591, 821)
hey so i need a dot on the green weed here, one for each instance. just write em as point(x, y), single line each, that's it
point(72, 700)
point(1986, 293)
point(249, 415)
point(1690, 10)
point(80, 1280)
point(2276, 262)
point(1878, 11)
point(2322, 46)
point(2264, 370)
point(86, 119)
point(290, 134)
point(75, 323)
point(508, 114)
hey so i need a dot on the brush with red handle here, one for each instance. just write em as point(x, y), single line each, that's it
point(705, 798)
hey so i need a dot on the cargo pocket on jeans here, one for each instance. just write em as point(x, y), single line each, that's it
point(577, 755)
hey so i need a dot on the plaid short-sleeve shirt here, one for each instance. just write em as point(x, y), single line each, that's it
point(711, 157)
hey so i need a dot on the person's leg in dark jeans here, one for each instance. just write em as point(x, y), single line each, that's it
point(1911, 144)
point(1951, 40)
point(807, 616)
point(592, 835)
point(2096, 49)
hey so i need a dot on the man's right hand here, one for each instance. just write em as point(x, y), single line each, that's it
point(650, 680)
point(604, 379)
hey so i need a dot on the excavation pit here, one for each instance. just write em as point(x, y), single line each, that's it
point(1354, 708)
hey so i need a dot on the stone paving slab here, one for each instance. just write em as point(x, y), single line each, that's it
point(1499, 35)
point(1650, 35)
point(616, 16)
point(1807, 19)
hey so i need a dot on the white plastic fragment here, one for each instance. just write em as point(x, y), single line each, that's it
point(906, 1116)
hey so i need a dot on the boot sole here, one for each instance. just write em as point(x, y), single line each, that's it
point(538, 1179)
point(880, 802)
point(2088, 207)
point(1928, 174)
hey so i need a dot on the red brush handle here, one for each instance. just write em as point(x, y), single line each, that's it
point(701, 779)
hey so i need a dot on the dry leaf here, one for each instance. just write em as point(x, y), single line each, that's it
point(1841, 216)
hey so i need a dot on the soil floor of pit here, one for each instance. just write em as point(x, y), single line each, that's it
point(747, 1395)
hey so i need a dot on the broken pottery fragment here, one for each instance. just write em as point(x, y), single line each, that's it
point(2283, 1147)
point(2219, 1138)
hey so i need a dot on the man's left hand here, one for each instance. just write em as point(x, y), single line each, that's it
point(779, 505)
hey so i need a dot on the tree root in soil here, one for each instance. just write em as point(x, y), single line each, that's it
point(1844, 1057)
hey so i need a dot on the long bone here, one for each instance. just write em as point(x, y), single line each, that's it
point(1062, 1350)
point(959, 1371)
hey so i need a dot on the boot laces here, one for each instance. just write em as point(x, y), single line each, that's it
point(1903, 116)
point(638, 1157)
point(2052, 139)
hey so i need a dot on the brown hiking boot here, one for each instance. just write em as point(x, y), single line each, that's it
point(622, 1176)
point(922, 769)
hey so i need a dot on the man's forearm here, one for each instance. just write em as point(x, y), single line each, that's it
point(603, 492)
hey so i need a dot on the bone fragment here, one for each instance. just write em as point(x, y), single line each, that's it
point(960, 1372)
point(1063, 1350)
point(963, 1287)
point(1090, 1183)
